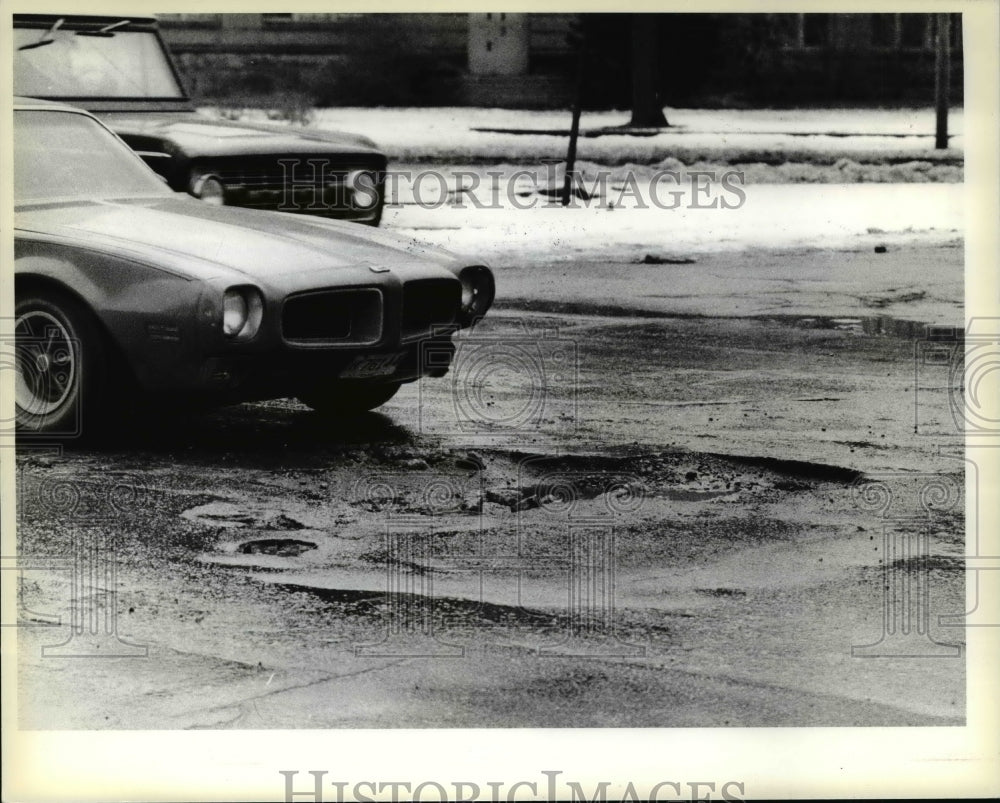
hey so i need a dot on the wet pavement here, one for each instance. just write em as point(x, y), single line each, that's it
point(596, 519)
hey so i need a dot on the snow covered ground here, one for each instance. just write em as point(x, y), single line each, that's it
point(853, 191)
point(805, 249)
point(818, 135)
point(771, 216)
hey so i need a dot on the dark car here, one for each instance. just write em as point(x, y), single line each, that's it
point(121, 70)
point(124, 287)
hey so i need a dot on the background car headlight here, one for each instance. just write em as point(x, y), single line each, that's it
point(363, 185)
point(209, 189)
point(478, 289)
point(242, 312)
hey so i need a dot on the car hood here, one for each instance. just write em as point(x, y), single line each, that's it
point(190, 238)
point(197, 136)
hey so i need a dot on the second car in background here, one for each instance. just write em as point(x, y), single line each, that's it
point(121, 70)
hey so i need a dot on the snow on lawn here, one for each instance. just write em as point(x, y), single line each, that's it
point(473, 134)
point(793, 250)
point(801, 216)
point(807, 190)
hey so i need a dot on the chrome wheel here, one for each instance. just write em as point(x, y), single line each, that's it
point(60, 374)
point(47, 363)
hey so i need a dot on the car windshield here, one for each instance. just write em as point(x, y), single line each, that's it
point(121, 64)
point(60, 154)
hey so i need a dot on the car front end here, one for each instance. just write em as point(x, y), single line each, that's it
point(197, 302)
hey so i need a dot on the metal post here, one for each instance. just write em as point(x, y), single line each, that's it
point(942, 79)
point(574, 131)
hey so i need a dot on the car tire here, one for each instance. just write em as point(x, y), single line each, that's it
point(347, 399)
point(61, 370)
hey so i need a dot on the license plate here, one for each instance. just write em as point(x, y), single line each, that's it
point(365, 367)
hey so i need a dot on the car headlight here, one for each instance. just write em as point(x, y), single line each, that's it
point(209, 189)
point(477, 293)
point(242, 312)
point(363, 185)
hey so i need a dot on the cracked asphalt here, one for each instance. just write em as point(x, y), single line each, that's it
point(607, 515)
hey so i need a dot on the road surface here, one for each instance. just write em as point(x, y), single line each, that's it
point(607, 515)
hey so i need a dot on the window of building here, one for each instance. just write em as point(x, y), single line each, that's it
point(956, 31)
point(911, 31)
point(885, 30)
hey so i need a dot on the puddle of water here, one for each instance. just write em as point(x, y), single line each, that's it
point(871, 325)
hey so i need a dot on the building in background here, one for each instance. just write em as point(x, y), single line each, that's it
point(530, 60)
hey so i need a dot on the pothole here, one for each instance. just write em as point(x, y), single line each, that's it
point(722, 592)
point(280, 547)
point(232, 515)
point(453, 611)
point(682, 495)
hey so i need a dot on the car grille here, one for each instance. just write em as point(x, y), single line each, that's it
point(314, 185)
point(428, 303)
point(341, 316)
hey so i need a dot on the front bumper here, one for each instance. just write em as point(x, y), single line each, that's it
point(236, 377)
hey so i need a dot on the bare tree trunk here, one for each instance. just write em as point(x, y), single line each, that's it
point(646, 109)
